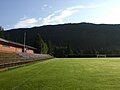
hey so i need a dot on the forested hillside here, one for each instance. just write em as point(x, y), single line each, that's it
point(83, 38)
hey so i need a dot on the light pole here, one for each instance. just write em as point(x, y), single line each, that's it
point(24, 41)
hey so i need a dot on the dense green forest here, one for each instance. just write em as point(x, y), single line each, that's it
point(79, 39)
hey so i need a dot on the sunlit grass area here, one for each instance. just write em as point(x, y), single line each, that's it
point(64, 74)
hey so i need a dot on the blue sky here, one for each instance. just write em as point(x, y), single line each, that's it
point(30, 13)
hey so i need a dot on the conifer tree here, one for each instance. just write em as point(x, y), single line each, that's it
point(41, 45)
point(50, 48)
point(69, 51)
point(1, 32)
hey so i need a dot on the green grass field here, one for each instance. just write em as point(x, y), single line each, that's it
point(64, 74)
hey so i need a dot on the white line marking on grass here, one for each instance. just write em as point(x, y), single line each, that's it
point(30, 78)
point(21, 83)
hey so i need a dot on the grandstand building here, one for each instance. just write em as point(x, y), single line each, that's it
point(10, 46)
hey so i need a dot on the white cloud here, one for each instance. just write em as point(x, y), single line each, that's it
point(45, 5)
point(57, 17)
point(23, 18)
point(26, 22)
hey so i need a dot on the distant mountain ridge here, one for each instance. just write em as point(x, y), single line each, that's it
point(83, 36)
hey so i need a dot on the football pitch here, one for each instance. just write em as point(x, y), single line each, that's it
point(64, 74)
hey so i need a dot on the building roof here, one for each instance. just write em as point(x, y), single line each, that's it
point(16, 44)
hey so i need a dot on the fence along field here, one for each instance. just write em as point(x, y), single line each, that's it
point(64, 74)
point(13, 59)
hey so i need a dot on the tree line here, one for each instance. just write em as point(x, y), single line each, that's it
point(66, 51)
point(81, 39)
